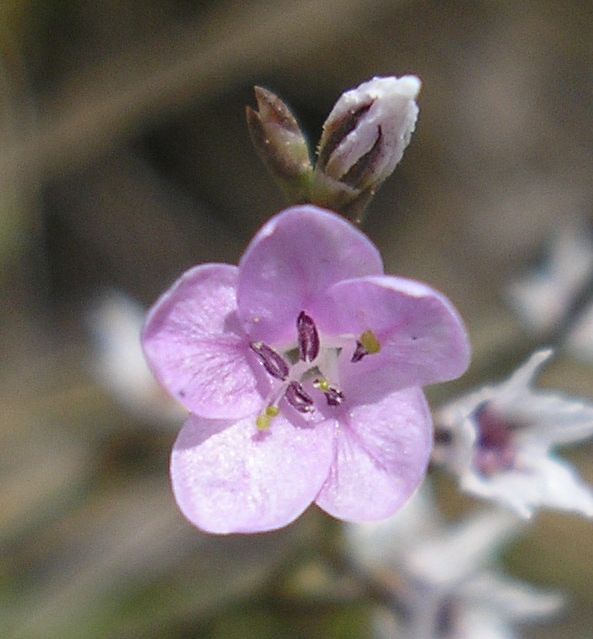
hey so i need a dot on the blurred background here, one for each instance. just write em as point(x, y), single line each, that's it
point(125, 159)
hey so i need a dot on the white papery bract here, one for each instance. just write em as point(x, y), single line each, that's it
point(500, 442)
point(447, 586)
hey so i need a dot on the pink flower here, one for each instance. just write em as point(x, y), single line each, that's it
point(301, 369)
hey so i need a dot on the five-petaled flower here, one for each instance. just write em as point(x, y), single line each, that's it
point(302, 371)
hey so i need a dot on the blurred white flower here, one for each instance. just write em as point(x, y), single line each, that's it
point(500, 440)
point(543, 296)
point(441, 575)
point(119, 364)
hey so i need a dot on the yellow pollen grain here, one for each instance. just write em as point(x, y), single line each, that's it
point(370, 342)
point(322, 384)
point(264, 421)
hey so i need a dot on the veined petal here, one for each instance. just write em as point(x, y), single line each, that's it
point(196, 348)
point(232, 478)
point(382, 454)
point(289, 265)
point(421, 336)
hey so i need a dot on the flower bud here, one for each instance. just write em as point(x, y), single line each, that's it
point(280, 143)
point(363, 139)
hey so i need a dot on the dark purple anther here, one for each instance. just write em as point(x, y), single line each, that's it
point(272, 361)
point(359, 352)
point(298, 398)
point(334, 396)
point(495, 450)
point(308, 338)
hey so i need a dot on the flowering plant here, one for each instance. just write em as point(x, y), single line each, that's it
point(302, 369)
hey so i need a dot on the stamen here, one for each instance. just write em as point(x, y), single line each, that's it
point(264, 421)
point(322, 384)
point(367, 344)
point(272, 361)
point(308, 337)
point(333, 395)
point(298, 398)
point(359, 352)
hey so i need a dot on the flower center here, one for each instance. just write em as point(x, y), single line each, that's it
point(495, 449)
point(311, 361)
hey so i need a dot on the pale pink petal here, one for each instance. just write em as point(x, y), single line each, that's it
point(232, 478)
point(196, 347)
point(422, 337)
point(289, 265)
point(382, 454)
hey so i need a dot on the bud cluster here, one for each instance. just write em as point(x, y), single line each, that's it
point(363, 139)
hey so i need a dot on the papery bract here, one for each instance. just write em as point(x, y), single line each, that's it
point(302, 370)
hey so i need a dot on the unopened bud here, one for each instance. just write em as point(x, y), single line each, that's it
point(363, 139)
point(281, 144)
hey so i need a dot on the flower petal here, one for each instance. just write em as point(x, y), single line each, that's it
point(549, 419)
point(541, 482)
point(196, 348)
point(232, 478)
point(382, 455)
point(422, 338)
point(289, 265)
point(452, 556)
point(516, 600)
